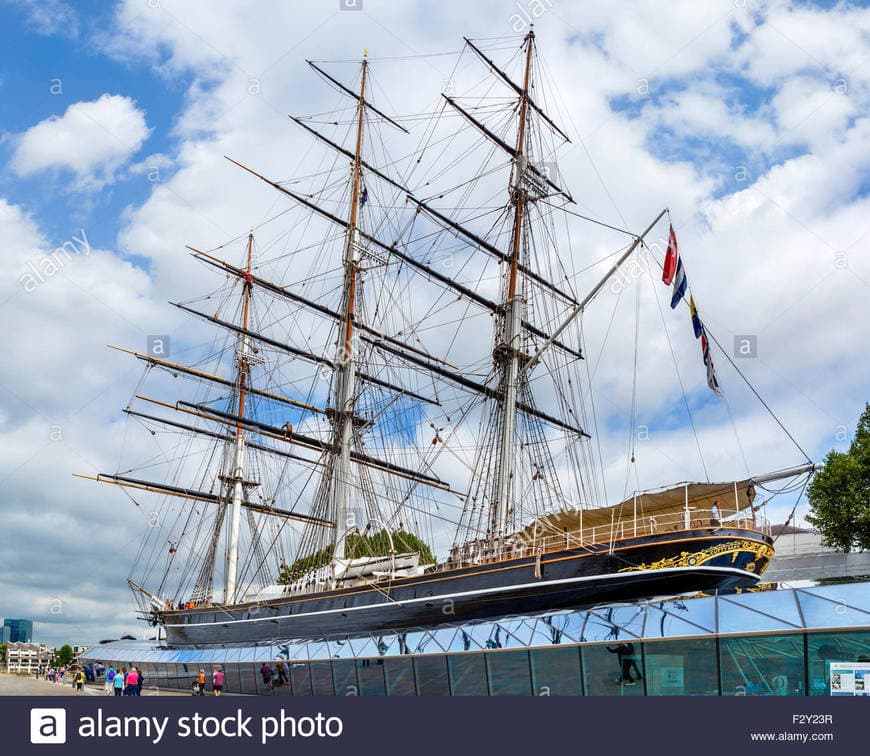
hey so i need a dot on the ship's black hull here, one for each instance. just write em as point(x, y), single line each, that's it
point(635, 568)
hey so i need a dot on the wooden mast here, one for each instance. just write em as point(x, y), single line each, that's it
point(508, 351)
point(345, 360)
point(238, 477)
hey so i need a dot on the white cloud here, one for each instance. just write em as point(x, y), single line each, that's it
point(92, 139)
point(51, 17)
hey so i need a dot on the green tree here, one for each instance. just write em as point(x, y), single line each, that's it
point(64, 655)
point(840, 494)
point(3, 648)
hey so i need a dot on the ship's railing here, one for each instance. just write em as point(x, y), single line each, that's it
point(527, 544)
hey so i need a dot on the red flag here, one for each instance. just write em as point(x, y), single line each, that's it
point(670, 266)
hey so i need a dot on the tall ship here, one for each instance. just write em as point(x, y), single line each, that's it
point(386, 420)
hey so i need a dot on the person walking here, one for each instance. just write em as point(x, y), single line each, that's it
point(140, 683)
point(79, 681)
point(625, 658)
point(266, 674)
point(282, 675)
point(217, 681)
point(109, 684)
point(119, 681)
point(200, 683)
point(131, 683)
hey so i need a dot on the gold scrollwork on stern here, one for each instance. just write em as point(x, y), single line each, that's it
point(762, 552)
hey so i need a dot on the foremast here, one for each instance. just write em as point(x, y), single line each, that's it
point(238, 477)
point(345, 359)
point(509, 351)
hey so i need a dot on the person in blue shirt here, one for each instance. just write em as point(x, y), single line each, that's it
point(110, 681)
point(118, 683)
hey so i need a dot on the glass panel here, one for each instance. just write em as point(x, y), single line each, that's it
point(341, 650)
point(571, 626)
point(509, 673)
point(839, 611)
point(300, 679)
point(680, 617)
point(514, 635)
point(399, 673)
point(824, 648)
point(232, 684)
point(321, 678)
point(371, 677)
point(555, 671)
point(781, 604)
point(614, 622)
point(344, 675)
point(762, 665)
point(856, 595)
point(431, 674)
point(467, 674)
point(612, 669)
point(549, 630)
point(736, 617)
point(681, 668)
point(475, 636)
point(248, 678)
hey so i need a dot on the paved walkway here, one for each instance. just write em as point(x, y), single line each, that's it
point(21, 685)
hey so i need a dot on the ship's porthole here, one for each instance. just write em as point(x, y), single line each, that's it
point(751, 566)
point(692, 561)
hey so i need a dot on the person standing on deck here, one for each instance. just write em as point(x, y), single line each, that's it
point(715, 515)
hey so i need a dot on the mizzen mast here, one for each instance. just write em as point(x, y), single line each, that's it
point(345, 360)
point(509, 350)
point(238, 478)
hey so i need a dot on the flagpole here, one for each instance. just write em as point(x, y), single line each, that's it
point(591, 295)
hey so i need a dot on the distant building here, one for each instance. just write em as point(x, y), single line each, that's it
point(27, 658)
point(5, 635)
point(20, 630)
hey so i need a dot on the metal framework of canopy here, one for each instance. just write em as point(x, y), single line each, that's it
point(733, 497)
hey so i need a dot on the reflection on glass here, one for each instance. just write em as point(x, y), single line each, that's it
point(555, 671)
point(613, 669)
point(371, 677)
point(467, 674)
point(344, 676)
point(681, 668)
point(248, 679)
point(824, 648)
point(321, 678)
point(762, 665)
point(509, 673)
point(300, 679)
point(431, 673)
point(822, 612)
point(399, 674)
point(681, 617)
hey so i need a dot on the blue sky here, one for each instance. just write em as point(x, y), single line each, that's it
point(749, 120)
point(44, 73)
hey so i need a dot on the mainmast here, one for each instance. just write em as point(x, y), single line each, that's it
point(238, 478)
point(345, 361)
point(508, 351)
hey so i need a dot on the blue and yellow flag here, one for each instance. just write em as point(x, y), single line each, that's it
point(696, 321)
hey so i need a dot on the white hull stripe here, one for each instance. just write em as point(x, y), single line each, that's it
point(430, 599)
